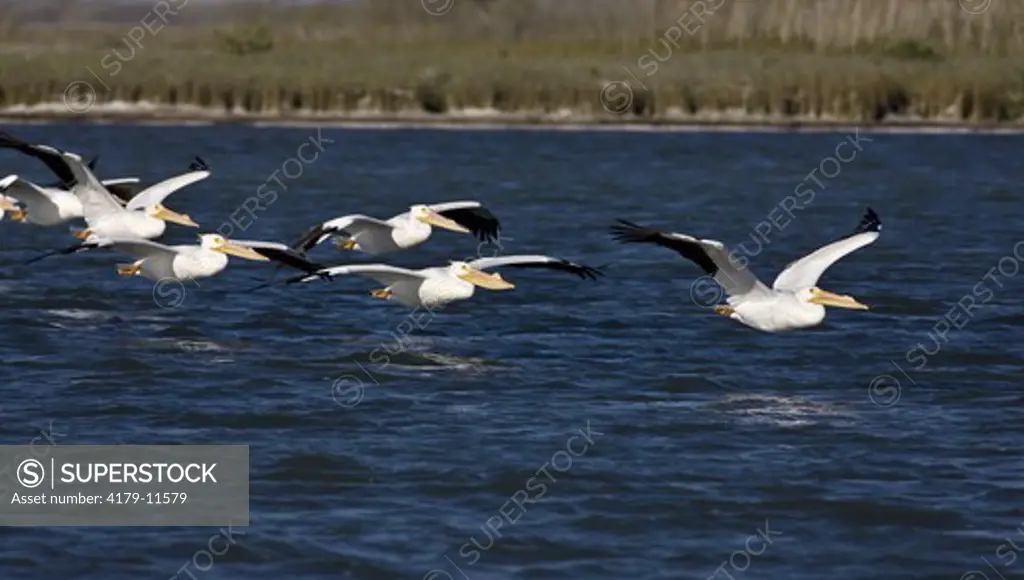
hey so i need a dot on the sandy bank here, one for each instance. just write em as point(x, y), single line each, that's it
point(487, 119)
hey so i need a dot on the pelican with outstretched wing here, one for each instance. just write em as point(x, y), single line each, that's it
point(794, 301)
point(143, 216)
point(52, 203)
point(50, 206)
point(405, 230)
point(191, 262)
point(437, 287)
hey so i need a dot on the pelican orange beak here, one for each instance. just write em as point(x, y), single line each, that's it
point(435, 219)
point(241, 252)
point(10, 206)
point(826, 298)
point(162, 213)
point(485, 280)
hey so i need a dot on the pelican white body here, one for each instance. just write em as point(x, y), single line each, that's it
point(194, 262)
point(128, 224)
point(777, 313)
point(44, 206)
point(405, 230)
point(63, 207)
point(437, 290)
point(406, 233)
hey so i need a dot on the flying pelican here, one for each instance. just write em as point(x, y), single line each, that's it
point(50, 206)
point(435, 287)
point(405, 230)
point(54, 203)
point(142, 216)
point(190, 262)
point(794, 301)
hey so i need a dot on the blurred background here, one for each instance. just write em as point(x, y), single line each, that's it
point(944, 61)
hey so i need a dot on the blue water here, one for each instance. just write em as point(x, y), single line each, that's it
point(380, 449)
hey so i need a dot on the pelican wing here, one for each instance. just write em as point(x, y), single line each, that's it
point(380, 272)
point(25, 191)
point(710, 255)
point(49, 156)
point(134, 247)
point(537, 262)
point(156, 193)
point(123, 188)
point(471, 215)
point(282, 254)
point(96, 200)
point(805, 272)
point(66, 185)
point(198, 164)
point(349, 223)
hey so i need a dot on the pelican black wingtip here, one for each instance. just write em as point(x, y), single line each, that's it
point(870, 222)
point(198, 164)
point(626, 231)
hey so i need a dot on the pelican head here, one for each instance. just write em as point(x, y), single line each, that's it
point(465, 272)
point(816, 295)
point(218, 243)
point(160, 212)
point(428, 216)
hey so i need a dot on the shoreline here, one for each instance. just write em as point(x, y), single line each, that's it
point(128, 114)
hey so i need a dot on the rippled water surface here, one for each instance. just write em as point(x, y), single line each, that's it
point(388, 448)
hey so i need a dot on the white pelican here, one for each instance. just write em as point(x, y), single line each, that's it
point(53, 203)
point(434, 287)
point(405, 230)
point(794, 301)
point(50, 206)
point(142, 216)
point(190, 262)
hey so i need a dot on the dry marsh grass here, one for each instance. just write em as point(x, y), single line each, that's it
point(864, 60)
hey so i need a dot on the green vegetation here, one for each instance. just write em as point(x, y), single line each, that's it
point(244, 42)
point(843, 60)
